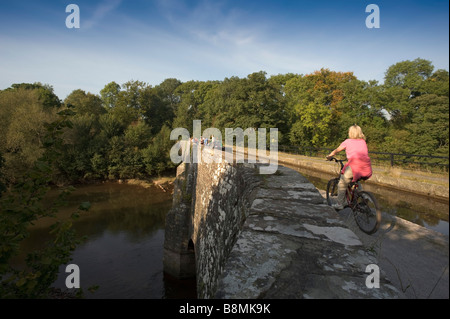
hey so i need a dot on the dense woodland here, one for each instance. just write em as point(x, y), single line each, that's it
point(124, 132)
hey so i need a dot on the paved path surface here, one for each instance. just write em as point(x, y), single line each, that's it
point(294, 246)
point(415, 258)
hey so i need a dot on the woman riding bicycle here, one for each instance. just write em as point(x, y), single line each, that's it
point(358, 166)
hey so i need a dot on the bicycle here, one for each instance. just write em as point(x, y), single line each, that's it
point(366, 211)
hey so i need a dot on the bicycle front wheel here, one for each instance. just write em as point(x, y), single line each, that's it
point(332, 191)
point(367, 212)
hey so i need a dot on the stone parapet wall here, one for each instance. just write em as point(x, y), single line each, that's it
point(178, 258)
point(211, 203)
point(221, 205)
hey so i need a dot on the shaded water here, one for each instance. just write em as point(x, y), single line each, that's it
point(424, 211)
point(123, 252)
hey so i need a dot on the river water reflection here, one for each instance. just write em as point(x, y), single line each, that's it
point(123, 252)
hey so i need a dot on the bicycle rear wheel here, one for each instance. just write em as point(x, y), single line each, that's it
point(367, 212)
point(332, 191)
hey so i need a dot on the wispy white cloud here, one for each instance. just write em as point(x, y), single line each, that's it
point(101, 11)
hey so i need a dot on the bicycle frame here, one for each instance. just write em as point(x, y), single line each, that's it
point(352, 187)
point(366, 210)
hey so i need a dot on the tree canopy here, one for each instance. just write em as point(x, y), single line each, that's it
point(124, 131)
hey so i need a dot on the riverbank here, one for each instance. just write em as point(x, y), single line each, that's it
point(165, 183)
point(79, 195)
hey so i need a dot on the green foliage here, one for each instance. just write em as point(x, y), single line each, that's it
point(437, 83)
point(109, 94)
point(111, 125)
point(46, 95)
point(409, 75)
point(137, 135)
point(156, 158)
point(124, 132)
point(252, 102)
point(2, 184)
point(318, 102)
point(20, 207)
point(429, 125)
point(23, 114)
point(85, 103)
point(417, 102)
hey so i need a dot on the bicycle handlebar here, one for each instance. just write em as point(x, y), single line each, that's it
point(332, 158)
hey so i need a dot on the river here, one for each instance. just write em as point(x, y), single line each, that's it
point(123, 252)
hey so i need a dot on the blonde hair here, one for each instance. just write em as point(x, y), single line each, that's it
point(355, 132)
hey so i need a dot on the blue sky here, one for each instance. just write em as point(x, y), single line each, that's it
point(152, 40)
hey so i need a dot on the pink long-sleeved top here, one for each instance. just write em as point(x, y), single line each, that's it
point(358, 158)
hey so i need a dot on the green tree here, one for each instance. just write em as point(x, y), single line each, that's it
point(125, 105)
point(187, 109)
point(437, 83)
point(154, 110)
point(110, 94)
point(417, 102)
point(114, 157)
point(316, 103)
point(45, 92)
point(166, 91)
point(130, 95)
point(137, 135)
point(156, 156)
point(83, 139)
point(403, 82)
point(111, 125)
point(200, 98)
point(23, 116)
point(99, 166)
point(429, 130)
point(360, 105)
point(2, 181)
point(85, 103)
point(409, 75)
point(251, 102)
point(313, 127)
point(19, 208)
